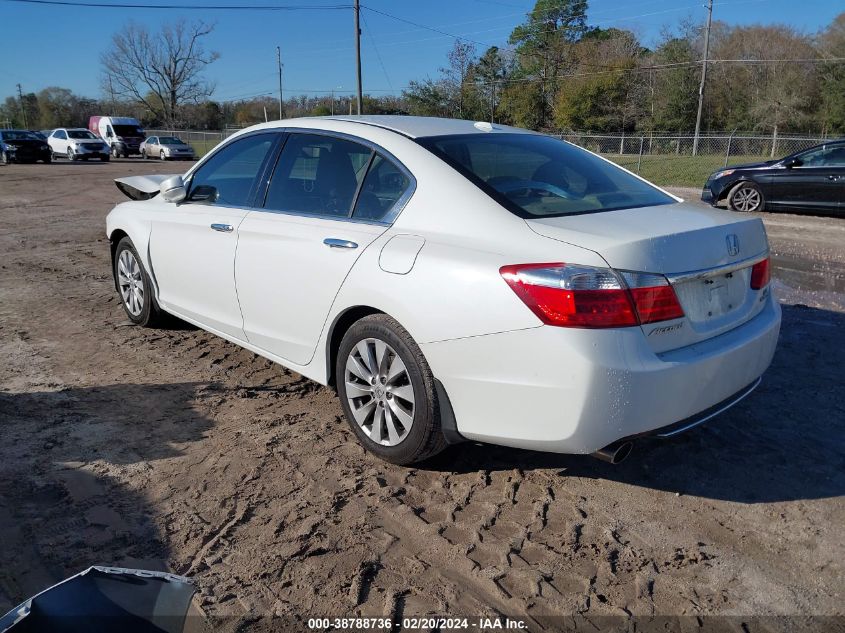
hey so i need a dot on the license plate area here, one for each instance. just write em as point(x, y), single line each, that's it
point(710, 300)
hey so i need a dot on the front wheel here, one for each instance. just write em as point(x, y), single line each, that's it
point(134, 286)
point(746, 197)
point(387, 391)
point(162, 156)
point(4, 158)
point(115, 152)
point(70, 155)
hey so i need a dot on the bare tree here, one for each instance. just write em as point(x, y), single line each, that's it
point(161, 70)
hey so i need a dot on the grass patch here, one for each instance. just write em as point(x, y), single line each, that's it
point(678, 171)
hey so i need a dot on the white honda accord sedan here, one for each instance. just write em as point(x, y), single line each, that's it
point(457, 280)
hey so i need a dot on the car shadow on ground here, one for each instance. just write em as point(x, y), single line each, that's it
point(71, 464)
point(785, 442)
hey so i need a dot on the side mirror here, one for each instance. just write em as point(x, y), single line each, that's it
point(792, 162)
point(204, 193)
point(173, 189)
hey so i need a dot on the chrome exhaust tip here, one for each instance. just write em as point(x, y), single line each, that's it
point(614, 453)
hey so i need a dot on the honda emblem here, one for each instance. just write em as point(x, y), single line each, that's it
point(733, 244)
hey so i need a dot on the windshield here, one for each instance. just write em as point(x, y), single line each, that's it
point(80, 134)
point(169, 140)
point(128, 130)
point(18, 135)
point(536, 176)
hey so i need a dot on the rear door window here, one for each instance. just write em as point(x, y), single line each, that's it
point(382, 189)
point(317, 175)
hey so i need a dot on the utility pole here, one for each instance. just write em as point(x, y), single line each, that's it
point(357, 10)
point(703, 76)
point(23, 109)
point(279, 63)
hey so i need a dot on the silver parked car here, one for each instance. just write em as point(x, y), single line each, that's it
point(167, 148)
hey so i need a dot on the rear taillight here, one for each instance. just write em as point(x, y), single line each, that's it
point(760, 274)
point(568, 295)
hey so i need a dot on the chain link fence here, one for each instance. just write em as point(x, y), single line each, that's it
point(202, 141)
point(666, 160)
point(675, 161)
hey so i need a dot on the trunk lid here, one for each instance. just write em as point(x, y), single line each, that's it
point(706, 253)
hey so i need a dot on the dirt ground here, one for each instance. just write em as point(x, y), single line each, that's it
point(172, 449)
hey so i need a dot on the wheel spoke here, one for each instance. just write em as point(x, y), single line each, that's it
point(397, 369)
point(377, 431)
point(357, 368)
point(390, 423)
point(400, 413)
point(361, 413)
point(357, 390)
point(405, 392)
point(363, 348)
point(380, 357)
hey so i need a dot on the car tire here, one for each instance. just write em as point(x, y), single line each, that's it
point(114, 152)
point(746, 197)
point(144, 154)
point(4, 158)
point(71, 156)
point(162, 156)
point(134, 287)
point(48, 160)
point(105, 159)
point(392, 409)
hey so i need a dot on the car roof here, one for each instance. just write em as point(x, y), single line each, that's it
point(409, 126)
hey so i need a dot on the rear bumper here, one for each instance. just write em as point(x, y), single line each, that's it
point(575, 391)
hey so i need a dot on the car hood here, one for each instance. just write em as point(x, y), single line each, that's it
point(670, 238)
point(26, 142)
point(759, 165)
point(141, 187)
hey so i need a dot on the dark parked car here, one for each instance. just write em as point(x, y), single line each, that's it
point(809, 180)
point(23, 146)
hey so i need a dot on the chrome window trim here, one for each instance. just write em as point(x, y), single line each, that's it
point(719, 270)
point(388, 219)
point(188, 178)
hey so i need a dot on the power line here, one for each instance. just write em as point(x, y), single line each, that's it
point(212, 7)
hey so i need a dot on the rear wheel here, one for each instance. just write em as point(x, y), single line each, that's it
point(746, 197)
point(134, 286)
point(387, 391)
point(4, 158)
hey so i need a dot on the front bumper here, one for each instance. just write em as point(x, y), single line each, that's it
point(29, 155)
point(576, 391)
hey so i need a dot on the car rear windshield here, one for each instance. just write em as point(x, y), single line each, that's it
point(80, 134)
point(536, 176)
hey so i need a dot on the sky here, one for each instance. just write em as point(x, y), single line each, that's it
point(60, 45)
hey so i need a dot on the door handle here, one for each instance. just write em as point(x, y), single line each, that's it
point(223, 228)
point(333, 242)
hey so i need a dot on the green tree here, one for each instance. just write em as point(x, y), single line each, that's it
point(832, 88)
point(542, 46)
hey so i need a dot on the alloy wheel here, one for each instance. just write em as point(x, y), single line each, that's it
point(746, 199)
point(69, 154)
point(379, 392)
point(162, 156)
point(131, 282)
